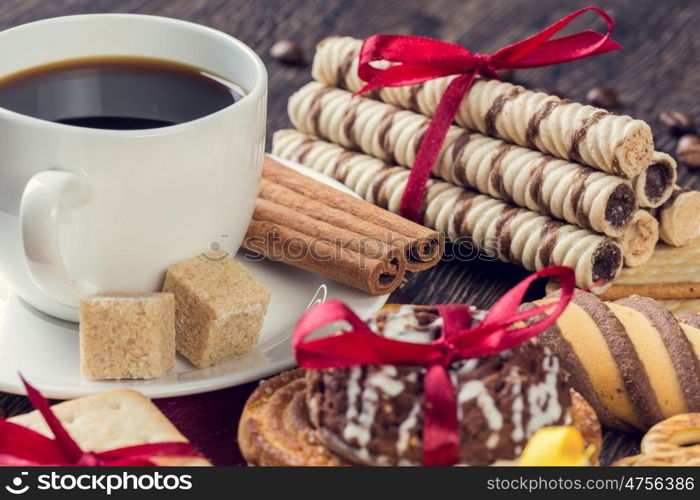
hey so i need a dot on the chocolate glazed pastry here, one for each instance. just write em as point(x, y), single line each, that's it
point(611, 143)
point(373, 415)
point(529, 179)
point(495, 228)
point(631, 359)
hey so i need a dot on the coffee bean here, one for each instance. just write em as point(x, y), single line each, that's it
point(677, 122)
point(287, 52)
point(505, 75)
point(688, 150)
point(603, 97)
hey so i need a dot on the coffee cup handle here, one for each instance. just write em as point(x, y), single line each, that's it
point(44, 196)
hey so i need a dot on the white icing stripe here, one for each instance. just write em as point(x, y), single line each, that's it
point(353, 392)
point(543, 398)
point(358, 427)
point(403, 325)
point(475, 389)
point(385, 379)
point(405, 429)
point(518, 433)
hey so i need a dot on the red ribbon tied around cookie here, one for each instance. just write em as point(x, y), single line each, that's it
point(21, 446)
point(459, 340)
point(422, 59)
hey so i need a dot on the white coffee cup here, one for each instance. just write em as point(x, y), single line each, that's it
point(85, 210)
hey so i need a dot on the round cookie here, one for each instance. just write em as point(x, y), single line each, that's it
point(674, 441)
point(274, 429)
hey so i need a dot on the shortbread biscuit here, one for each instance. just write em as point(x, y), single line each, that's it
point(655, 183)
point(639, 239)
point(679, 217)
point(675, 306)
point(526, 178)
point(670, 273)
point(681, 306)
point(110, 420)
point(612, 143)
point(498, 230)
point(631, 359)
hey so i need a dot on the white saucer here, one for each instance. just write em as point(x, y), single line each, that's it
point(45, 350)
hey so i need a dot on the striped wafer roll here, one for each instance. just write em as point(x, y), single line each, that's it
point(530, 179)
point(616, 144)
point(639, 239)
point(630, 359)
point(679, 217)
point(497, 229)
point(654, 185)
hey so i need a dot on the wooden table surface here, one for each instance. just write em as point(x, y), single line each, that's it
point(657, 70)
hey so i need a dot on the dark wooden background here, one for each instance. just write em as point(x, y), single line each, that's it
point(657, 70)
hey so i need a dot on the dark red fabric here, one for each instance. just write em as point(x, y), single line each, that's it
point(210, 421)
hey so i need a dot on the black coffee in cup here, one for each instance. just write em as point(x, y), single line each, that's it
point(114, 92)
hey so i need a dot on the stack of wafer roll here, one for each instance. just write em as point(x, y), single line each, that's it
point(631, 359)
point(530, 179)
point(591, 173)
point(497, 229)
point(612, 143)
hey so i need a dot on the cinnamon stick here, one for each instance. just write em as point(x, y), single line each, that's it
point(422, 247)
point(277, 241)
point(284, 212)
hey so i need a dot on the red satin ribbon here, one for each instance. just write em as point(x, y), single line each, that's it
point(424, 59)
point(21, 446)
point(459, 340)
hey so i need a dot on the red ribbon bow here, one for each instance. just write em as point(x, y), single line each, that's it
point(21, 446)
point(424, 59)
point(459, 340)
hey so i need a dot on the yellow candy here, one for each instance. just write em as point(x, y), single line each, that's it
point(563, 446)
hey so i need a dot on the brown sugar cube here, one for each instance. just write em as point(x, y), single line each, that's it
point(127, 335)
point(220, 308)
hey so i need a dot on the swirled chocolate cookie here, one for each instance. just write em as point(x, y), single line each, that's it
point(374, 414)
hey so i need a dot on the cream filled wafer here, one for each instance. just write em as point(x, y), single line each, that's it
point(631, 359)
point(639, 239)
point(679, 217)
point(497, 229)
point(671, 273)
point(616, 144)
point(530, 179)
point(655, 183)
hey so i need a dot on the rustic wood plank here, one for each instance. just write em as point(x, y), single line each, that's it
point(653, 73)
